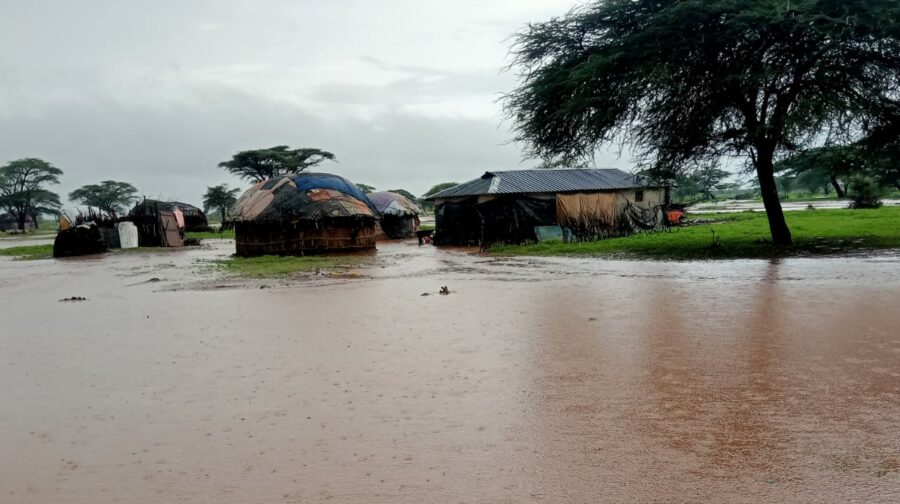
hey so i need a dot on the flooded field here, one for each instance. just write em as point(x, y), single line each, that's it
point(534, 380)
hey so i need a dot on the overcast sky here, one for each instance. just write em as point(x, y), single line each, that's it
point(157, 93)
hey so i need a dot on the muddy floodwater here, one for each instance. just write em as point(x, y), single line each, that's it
point(534, 380)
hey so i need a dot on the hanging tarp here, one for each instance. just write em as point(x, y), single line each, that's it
point(513, 219)
point(457, 223)
point(172, 234)
point(588, 214)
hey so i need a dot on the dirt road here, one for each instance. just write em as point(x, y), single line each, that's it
point(559, 380)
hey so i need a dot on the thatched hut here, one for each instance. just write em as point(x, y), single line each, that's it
point(195, 219)
point(399, 215)
point(304, 213)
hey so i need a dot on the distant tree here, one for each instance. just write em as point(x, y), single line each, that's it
point(864, 191)
point(701, 183)
point(685, 83)
point(44, 202)
point(836, 162)
point(109, 196)
point(23, 189)
point(709, 178)
point(785, 183)
point(366, 188)
point(406, 194)
point(814, 180)
point(261, 164)
point(438, 188)
point(220, 198)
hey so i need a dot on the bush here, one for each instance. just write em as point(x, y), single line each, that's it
point(865, 192)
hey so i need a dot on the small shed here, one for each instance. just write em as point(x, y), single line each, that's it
point(301, 214)
point(516, 206)
point(159, 223)
point(399, 215)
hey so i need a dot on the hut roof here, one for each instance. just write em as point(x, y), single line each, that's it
point(546, 181)
point(303, 196)
point(391, 203)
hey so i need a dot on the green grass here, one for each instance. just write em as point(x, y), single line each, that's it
point(277, 266)
point(738, 235)
point(211, 235)
point(28, 252)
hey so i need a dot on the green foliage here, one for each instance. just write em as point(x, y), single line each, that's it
point(262, 164)
point(741, 235)
point(109, 196)
point(865, 192)
point(366, 188)
point(28, 252)
point(23, 189)
point(220, 198)
point(223, 233)
point(686, 82)
point(439, 187)
point(277, 266)
point(699, 184)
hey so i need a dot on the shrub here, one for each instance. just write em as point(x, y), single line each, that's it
point(865, 192)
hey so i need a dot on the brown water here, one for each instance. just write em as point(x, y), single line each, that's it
point(560, 380)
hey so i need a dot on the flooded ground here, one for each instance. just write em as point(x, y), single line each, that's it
point(535, 380)
point(757, 206)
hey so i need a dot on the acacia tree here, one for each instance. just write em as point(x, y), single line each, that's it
point(23, 189)
point(261, 164)
point(439, 187)
point(109, 196)
point(686, 82)
point(220, 198)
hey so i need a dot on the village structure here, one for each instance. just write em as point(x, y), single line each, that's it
point(313, 213)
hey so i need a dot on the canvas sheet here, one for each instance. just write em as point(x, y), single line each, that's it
point(586, 210)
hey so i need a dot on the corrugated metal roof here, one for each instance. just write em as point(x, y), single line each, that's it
point(555, 180)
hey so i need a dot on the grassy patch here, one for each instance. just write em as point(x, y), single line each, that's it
point(209, 235)
point(744, 234)
point(275, 266)
point(29, 252)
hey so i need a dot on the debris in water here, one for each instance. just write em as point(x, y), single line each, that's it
point(445, 290)
point(426, 294)
point(73, 298)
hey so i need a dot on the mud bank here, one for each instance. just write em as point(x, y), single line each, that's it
point(558, 380)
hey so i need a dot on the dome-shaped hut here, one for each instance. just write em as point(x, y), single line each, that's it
point(399, 215)
point(304, 213)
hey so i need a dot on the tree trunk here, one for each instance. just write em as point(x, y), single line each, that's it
point(837, 187)
point(20, 217)
point(765, 173)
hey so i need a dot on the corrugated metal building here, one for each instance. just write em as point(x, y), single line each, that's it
point(514, 206)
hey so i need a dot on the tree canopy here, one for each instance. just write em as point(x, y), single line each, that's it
point(262, 164)
point(408, 195)
point(220, 198)
point(366, 188)
point(109, 196)
point(439, 187)
point(686, 82)
point(23, 189)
